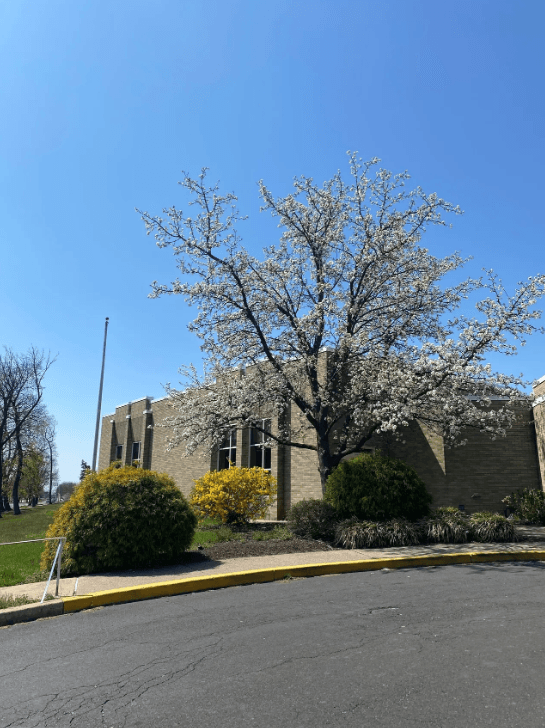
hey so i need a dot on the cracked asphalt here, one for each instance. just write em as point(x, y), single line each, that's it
point(454, 646)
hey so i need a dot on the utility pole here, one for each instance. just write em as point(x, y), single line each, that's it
point(95, 450)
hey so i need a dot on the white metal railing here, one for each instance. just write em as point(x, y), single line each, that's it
point(56, 560)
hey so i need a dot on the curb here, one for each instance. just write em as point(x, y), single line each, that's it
point(30, 612)
point(241, 578)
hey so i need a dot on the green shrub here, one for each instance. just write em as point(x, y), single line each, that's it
point(313, 518)
point(377, 488)
point(446, 525)
point(528, 505)
point(354, 534)
point(121, 518)
point(491, 527)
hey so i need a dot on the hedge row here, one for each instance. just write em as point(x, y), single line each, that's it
point(318, 519)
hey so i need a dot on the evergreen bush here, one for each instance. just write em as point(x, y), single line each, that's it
point(377, 488)
point(121, 518)
point(528, 505)
point(313, 518)
point(234, 495)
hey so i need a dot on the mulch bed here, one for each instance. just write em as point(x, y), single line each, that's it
point(250, 547)
point(241, 549)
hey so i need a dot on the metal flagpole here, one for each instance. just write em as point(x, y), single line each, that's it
point(100, 397)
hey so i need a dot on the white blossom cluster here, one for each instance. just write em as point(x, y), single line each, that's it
point(344, 321)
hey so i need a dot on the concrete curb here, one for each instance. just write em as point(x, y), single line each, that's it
point(30, 612)
point(240, 578)
point(202, 583)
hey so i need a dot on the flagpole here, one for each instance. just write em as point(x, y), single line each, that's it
point(100, 397)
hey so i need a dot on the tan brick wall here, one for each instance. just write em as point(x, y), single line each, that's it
point(477, 475)
point(539, 423)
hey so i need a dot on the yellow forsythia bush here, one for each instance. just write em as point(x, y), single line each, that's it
point(235, 495)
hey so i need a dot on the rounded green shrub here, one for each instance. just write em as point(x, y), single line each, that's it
point(121, 518)
point(528, 505)
point(377, 488)
point(491, 528)
point(312, 518)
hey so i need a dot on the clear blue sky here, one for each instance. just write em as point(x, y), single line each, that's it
point(104, 103)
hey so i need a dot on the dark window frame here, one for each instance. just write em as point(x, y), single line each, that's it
point(227, 451)
point(138, 449)
point(259, 451)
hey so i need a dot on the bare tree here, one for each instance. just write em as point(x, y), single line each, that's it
point(21, 392)
point(346, 321)
point(47, 433)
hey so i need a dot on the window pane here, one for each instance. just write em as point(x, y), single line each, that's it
point(223, 460)
point(224, 456)
point(135, 450)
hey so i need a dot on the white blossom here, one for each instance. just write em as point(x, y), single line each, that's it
point(345, 320)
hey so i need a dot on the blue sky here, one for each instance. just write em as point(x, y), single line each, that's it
point(103, 104)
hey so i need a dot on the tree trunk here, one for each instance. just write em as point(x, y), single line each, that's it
point(50, 471)
point(2, 507)
point(16, 509)
point(326, 462)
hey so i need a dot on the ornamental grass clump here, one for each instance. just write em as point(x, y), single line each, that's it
point(121, 518)
point(355, 534)
point(377, 488)
point(528, 505)
point(446, 525)
point(235, 495)
point(491, 527)
point(313, 518)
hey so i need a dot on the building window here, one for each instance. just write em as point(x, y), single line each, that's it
point(260, 451)
point(365, 451)
point(135, 451)
point(118, 452)
point(227, 452)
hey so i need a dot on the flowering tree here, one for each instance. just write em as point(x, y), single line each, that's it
point(344, 322)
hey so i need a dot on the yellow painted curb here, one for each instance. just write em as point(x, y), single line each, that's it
point(239, 578)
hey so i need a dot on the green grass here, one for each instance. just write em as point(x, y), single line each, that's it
point(207, 537)
point(279, 532)
point(21, 563)
point(9, 601)
point(210, 532)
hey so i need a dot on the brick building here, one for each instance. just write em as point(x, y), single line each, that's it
point(476, 476)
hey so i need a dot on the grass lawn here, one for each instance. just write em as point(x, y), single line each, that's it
point(21, 563)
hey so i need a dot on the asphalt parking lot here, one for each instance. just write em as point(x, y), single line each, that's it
point(439, 646)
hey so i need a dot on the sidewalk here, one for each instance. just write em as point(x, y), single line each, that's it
point(109, 588)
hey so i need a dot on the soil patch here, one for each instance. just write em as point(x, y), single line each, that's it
point(241, 549)
point(248, 546)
